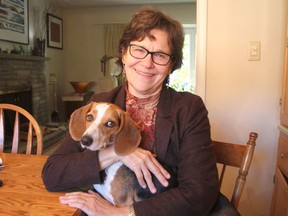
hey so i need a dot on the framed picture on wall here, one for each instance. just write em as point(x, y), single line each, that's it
point(14, 22)
point(54, 31)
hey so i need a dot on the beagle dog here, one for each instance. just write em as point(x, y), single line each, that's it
point(98, 125)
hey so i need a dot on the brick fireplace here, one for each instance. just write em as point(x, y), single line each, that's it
point(18, 73)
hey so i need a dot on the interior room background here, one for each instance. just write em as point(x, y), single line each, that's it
point(240, 95)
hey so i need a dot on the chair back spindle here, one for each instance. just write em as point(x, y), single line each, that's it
point(33, 127)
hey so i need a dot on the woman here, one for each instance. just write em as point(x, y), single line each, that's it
point(175, 128)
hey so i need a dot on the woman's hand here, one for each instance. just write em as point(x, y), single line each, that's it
point(143, 163)
point(92, 204)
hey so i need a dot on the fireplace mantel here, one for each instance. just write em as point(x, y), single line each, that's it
point(22, 57)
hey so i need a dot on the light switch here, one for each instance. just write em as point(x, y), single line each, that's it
point(254, 50)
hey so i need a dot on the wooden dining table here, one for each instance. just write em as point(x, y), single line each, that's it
point(23, 192)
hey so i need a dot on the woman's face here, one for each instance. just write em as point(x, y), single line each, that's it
point(145, 78)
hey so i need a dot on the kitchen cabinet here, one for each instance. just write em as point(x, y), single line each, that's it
point(280, 194)
point(279, 205)
point(284, 98)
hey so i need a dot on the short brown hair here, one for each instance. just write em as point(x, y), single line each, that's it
point(143, 22)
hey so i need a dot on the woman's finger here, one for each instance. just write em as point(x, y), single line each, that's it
point(140, 178)
point(148, 179)
point(160, 173)
point(75, 200)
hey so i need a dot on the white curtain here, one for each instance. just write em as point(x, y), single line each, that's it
point(113, 33)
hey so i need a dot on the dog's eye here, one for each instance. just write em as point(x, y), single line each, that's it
point(110, 124)
point(89, 118)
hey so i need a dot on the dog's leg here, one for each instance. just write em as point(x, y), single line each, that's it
point(123, 187)
point(119, 185)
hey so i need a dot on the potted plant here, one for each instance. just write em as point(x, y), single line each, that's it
point(40, 11)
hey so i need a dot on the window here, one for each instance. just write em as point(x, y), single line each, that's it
point(184, 79)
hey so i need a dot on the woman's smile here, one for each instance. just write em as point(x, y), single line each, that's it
point(143, 73)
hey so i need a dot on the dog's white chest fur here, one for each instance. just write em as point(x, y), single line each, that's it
point(105, 188)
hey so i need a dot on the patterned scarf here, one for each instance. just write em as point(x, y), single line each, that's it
point(143, 112)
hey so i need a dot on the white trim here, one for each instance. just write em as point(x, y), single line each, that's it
point(201, 45)
point(189, 25)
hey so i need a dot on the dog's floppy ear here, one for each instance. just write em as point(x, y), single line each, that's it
point(128, 137)
point(78, 120)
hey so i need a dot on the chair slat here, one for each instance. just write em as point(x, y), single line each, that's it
point(29, 139)
point(229, 154)
point(222, 172)
point(1, 130)
point(15, 140)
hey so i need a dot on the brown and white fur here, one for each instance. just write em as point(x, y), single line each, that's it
point(98, 125)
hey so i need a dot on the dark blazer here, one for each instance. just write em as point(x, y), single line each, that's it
point(182, 137)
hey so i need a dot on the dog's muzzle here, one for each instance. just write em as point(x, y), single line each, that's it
point(86, 141)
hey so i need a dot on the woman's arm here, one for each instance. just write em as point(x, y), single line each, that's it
point(68, 167)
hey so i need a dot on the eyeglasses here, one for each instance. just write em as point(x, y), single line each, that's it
point(140, 52)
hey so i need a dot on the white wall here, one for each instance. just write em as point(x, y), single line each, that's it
point(242, 95)
point(84, 39)
point(84, 42)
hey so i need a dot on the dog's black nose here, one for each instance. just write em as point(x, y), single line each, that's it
point(86, 140)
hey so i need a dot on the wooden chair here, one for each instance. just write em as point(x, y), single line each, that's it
point(235, 155)
point(32, 130)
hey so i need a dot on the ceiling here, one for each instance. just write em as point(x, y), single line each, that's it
point(90, 3)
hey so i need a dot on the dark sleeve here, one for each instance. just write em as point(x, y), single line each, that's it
point(197, 188)
point(69, 168)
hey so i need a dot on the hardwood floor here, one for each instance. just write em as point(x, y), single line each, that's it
point(53, 139)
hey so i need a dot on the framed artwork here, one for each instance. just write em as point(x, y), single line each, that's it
point(54, 31)
point(14, 21)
